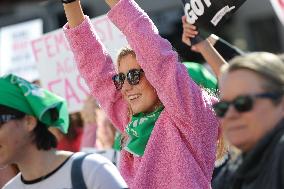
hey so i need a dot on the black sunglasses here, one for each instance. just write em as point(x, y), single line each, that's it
point(242, 103)
point(133, 77)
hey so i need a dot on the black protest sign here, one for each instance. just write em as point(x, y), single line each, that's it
point(209, 15)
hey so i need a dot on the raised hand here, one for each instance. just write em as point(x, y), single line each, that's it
point(189, 32)
point(205, 47)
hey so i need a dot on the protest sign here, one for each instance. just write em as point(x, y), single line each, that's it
point(278, 6)
point(15, 50)
point(209, 15)
point(56, 64)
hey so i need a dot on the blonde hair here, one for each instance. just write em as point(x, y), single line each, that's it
point(267, 65)
point(124, 52)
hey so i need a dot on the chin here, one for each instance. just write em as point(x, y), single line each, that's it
point(134, 111)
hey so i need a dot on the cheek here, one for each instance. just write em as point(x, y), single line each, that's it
point(149, 90)
point(124, 95)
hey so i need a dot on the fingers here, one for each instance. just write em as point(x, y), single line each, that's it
point(188, 29)
point(183, 18)
point(186, 40)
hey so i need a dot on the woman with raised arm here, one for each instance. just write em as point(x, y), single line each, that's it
point(170, 129)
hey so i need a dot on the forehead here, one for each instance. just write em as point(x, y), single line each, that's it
point(240, 82)
point(127, 63)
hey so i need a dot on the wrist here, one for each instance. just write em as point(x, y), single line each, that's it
point(203, 45)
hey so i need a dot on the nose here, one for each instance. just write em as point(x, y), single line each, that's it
point(126, 86)
point(231, 112)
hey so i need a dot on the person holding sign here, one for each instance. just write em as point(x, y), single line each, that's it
point(170, 129)
point(213, 47)
point(26, 113)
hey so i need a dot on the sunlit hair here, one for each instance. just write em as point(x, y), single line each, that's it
point(281, 56)
point(124, 52)
point(267, 65)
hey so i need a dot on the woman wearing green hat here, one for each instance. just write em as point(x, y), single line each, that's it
point(26, 113)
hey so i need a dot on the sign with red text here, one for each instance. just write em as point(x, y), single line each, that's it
point(57, 67)
point(278, 6)
point(15, 49)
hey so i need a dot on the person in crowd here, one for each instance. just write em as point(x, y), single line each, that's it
point(214, 43)
point(99, 132)
point(71, 141)
point(251, 110)
point(169, 128)
point(26, 113)
point(88, 114)
point(6, 173)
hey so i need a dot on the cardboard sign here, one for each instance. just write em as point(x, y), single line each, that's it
point(278, 6)
point(209, 15)
point(56, 65)
point(15, 50)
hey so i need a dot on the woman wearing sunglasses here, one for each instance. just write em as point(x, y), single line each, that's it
point(251, 110)
point(170, 129)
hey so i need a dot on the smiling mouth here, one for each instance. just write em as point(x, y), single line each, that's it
point(133, 97)
point(237, 128)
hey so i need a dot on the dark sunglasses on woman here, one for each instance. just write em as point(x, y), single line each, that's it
point(133, 77)
point(243, 103)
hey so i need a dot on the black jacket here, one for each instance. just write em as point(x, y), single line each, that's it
point(260, 168)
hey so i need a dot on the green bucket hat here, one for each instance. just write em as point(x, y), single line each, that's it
point(201, 76)
point(50, 109)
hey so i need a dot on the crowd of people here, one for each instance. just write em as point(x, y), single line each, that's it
point(165, 122)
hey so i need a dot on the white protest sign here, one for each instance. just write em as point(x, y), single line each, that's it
point(15, 50)
point(278, 6)
point(56, 65)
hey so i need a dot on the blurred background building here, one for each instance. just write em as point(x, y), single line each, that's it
point(255, 26)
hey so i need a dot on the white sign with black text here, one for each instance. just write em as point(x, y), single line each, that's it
point(15, 50)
